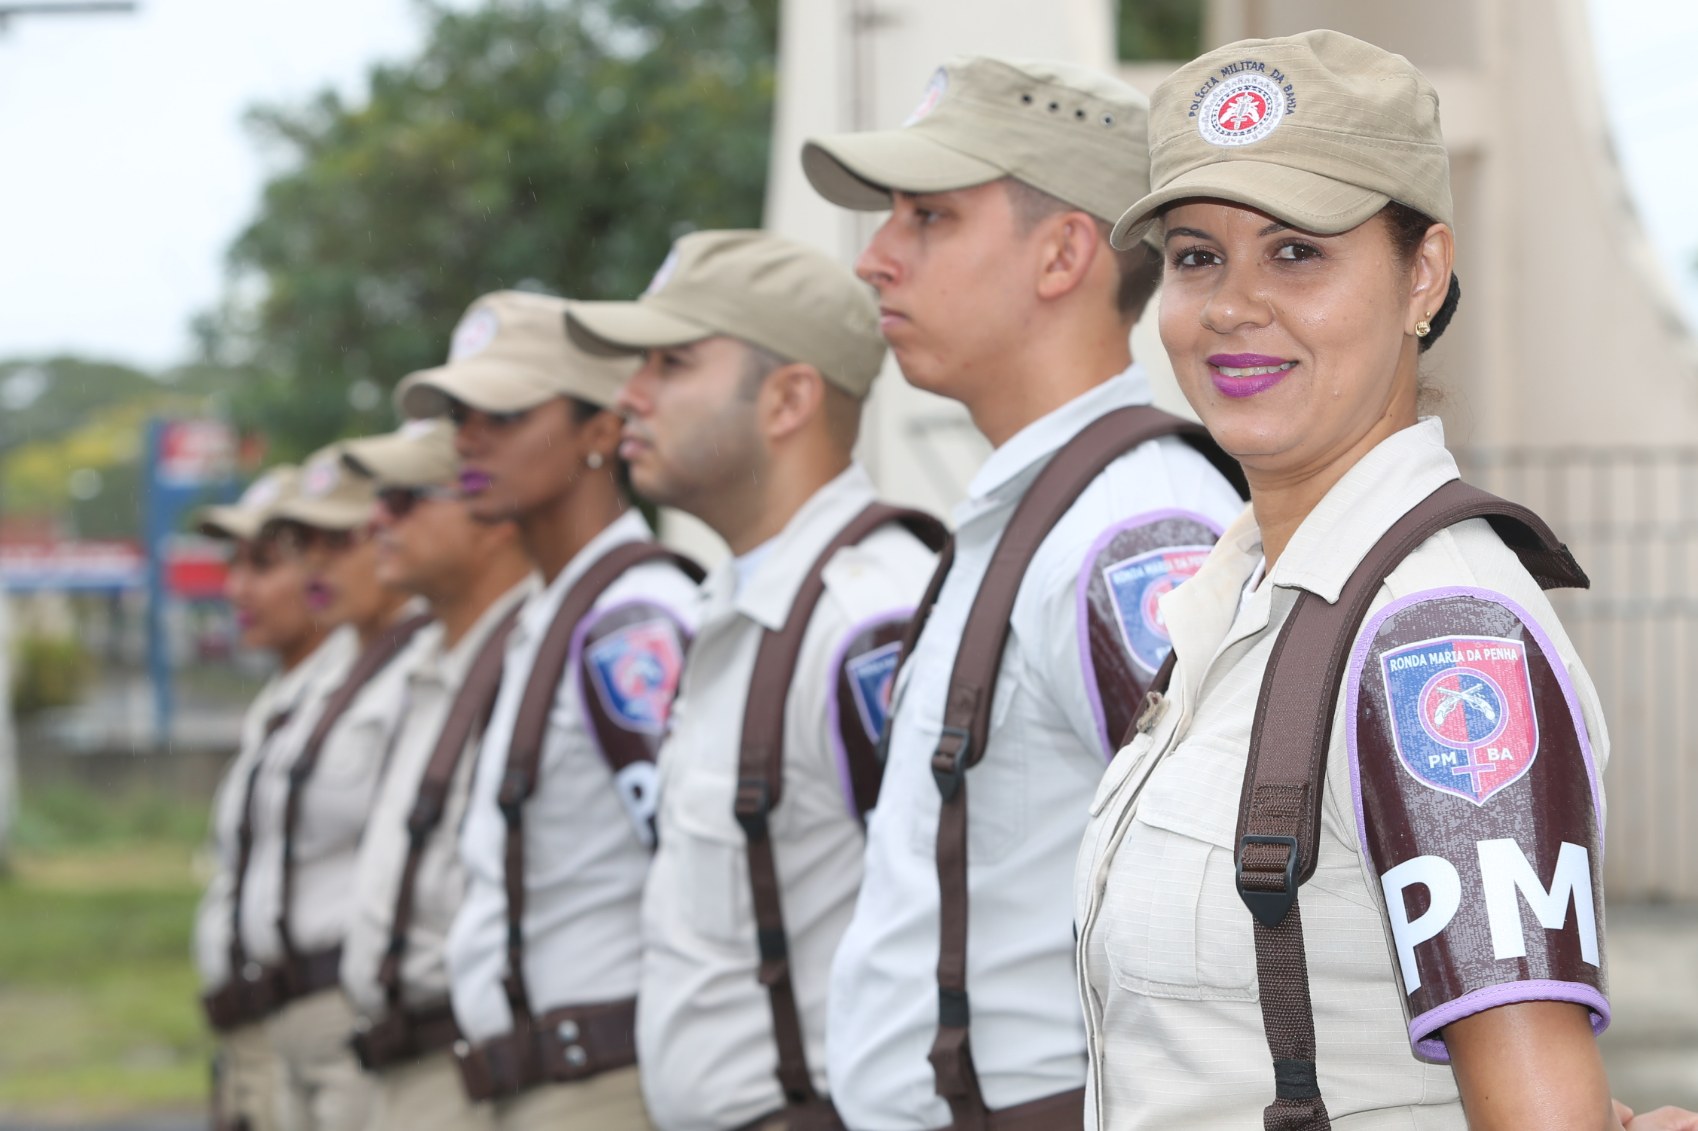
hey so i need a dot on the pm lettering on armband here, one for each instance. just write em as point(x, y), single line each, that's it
point(1509, 886)
point(638, 785)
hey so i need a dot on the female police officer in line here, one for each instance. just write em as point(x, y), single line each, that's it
point(1450, 934)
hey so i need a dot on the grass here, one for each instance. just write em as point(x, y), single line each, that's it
point(98, 996)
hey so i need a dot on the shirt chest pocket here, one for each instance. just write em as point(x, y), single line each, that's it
point(701, 835)
point(1175, 925)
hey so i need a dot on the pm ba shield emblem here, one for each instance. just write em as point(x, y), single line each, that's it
point(1137, 585)
point(872, 676)
point(1462, 713)
point(636, 673)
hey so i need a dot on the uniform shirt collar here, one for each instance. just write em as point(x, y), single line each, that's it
point(1385, 484)
point(451, 666)
point(771, 588)
point(1004, 475)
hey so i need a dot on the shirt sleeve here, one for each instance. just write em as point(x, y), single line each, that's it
point(1122, 638)
point(1478, 806)
point(629, 663)
point(863, 674)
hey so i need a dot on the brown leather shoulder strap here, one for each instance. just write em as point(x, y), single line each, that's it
point(524, 749)
point(377, 656)
point(1279, 812)
point(467, 715)
point(760, 781)
point(966, 719)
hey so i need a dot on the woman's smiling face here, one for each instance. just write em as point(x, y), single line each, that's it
point(1297, 350)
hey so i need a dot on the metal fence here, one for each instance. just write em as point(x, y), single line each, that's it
point(1631, 518)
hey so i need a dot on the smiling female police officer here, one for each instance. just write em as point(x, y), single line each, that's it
point(1301, 192)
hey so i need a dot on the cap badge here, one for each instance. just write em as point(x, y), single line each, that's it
point(663, 276)
point(1243, 105)
point(320, 478)
point(935, 90)
point(474, 333)
point(262, 493)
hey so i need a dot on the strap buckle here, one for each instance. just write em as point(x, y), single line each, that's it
point(515, 787)
point(754, 802)
point(950, 768)
point(1270, 907)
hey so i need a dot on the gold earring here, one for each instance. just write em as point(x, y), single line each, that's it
point(594, 461)
point(1423, 328)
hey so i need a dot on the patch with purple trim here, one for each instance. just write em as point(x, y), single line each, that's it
point(1122, 635)
point(1477, 802)
point(1137, 586)
point(635, 671)
point(1462, 713)
point(872, 675)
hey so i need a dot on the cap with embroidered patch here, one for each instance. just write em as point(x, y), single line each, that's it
point(419, 454)
point(327, 495)
point(247, 516)
point(1072, 132)
point(1317, 130)
point(783, 296)
point(510, 353)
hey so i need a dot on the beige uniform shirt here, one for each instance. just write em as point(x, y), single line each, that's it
point(704, 1025)
point(1167, 969)
point(333, 808)
point(291, 692)
point(1047, 748)
point(586, 836)
point(431, 686)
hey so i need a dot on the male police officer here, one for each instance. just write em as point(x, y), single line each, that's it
point(759, 354)
point(268, 592)
point(998, 288)
point(409, 882)
point(544, 951)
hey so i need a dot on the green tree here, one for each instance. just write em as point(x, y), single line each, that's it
point(553, 146)
point(1160, 29)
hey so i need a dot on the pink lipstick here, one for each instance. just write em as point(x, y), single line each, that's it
point(1246, 374)
point(473, 482)
point(319, 596)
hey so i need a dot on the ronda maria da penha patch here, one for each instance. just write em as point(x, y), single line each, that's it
point(1462, 713)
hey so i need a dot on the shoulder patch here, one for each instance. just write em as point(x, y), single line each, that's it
point(634, 669)
point(862, 680)
point(1122, 635)
point(1478, 808)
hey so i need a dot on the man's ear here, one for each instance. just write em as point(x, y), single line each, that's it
point(790, 397)
point(1068, 245)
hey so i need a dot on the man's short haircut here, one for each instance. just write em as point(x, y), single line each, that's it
point(842, 411)
point(1140, 266)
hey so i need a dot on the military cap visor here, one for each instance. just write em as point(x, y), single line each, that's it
point(860, 171)
point(229, 523)
point(491, 388)
point(1305, 200)
point(619, 329)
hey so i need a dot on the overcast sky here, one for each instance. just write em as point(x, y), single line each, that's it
point(127, 171)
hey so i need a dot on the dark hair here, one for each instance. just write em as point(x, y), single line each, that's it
point(1408, 228)
point(1140, 266)
point(583, 411)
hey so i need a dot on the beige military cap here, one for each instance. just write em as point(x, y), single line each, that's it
point(772, 292)
point(1318, 130)
point(247, 516)
point(510, 353)
point(1075, 133)
point(419, 454)
point(328, 495)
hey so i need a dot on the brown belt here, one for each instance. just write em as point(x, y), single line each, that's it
point(256, 992)
point(404, 1036)
point(815, 1115)
point(1064, 1111)
point(574, 1042)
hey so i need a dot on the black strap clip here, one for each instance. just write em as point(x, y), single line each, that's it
point(753, 803)
point(1270, 907)
point(950, 767)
